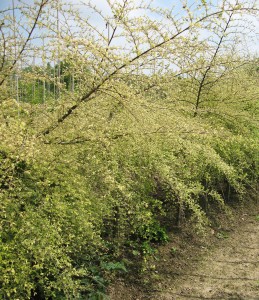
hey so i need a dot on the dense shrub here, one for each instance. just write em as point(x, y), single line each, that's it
point(75, 209)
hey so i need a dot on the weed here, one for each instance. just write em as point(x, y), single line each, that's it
point(222, 235)
point(174, 250)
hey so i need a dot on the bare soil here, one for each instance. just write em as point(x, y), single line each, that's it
point(224, 265)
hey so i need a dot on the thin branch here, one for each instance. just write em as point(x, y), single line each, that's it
point(86, 97)
point(106, 91)
point(81, 140)
point(43, 3)
point(4, 47)
point(198, 99)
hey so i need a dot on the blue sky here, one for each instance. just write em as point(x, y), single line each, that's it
point(102, 4)
point(5, 3)
point(162, 3)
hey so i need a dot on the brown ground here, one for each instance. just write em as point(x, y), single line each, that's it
point(223, 266)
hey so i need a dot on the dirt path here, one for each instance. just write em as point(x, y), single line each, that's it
point(229, 269)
